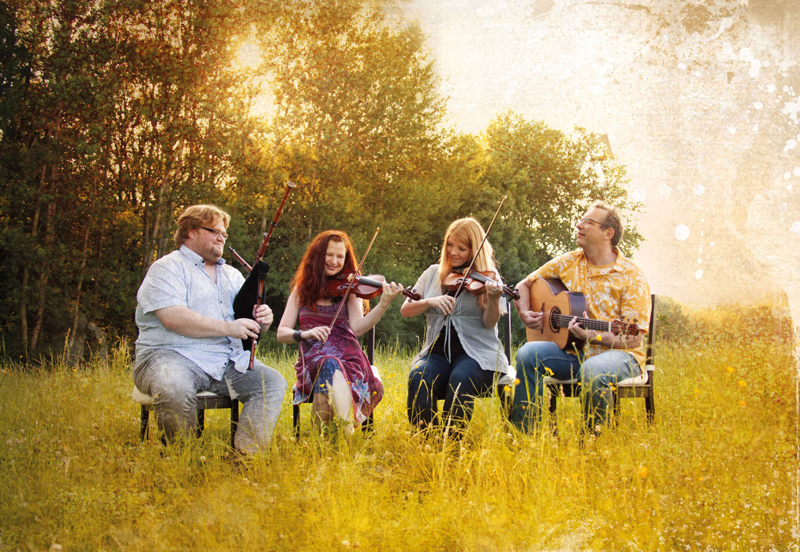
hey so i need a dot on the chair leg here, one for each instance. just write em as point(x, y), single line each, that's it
point(650, 407)
point(145, 420)
point(554, 391)
point(201, 419)
point(369, 424)
point(296, 421)
point(234, 419)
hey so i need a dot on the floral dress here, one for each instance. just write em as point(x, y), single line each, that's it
point(343, 347)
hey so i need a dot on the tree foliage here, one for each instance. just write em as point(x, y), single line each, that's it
point(118, 115)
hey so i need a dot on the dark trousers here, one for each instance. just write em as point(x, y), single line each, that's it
point(458, 383)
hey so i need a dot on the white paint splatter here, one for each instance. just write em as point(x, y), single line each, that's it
point(755, 127)
point(787, 175)
point(789, 188)
point(755, 69)
point(796, 228)
point(699, 189)
point(771, 88)
point(790, 145)
point(682, 66)
point(698, 274)
point(758, 105)
point(732, 130)
point(796, 171)
point(746, 54)
point(699, 261)
point(682, 232)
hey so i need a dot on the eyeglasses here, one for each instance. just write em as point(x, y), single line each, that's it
point(216, 232)
point(586, 220)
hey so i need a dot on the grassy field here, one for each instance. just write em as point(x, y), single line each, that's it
point(718, 470)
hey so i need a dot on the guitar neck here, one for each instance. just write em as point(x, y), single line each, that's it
point(563, 320)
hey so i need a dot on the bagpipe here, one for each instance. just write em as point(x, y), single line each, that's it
point(252, 291)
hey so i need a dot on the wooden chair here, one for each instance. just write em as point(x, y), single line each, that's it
point(368, 424)
point(205, 401)
point(641, 386)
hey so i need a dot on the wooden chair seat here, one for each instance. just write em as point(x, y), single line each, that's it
point(206, 400)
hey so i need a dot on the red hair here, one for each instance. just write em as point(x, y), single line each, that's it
point(309, 280)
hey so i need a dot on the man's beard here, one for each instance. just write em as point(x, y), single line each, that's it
point(210, 255)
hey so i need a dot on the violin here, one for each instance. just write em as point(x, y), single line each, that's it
point(365, 287)
point(476, 282)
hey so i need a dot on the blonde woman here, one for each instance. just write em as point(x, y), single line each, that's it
point(462, 351)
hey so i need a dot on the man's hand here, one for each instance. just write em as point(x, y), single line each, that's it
point(532, 319)
point(263, 315)
point(243, 328)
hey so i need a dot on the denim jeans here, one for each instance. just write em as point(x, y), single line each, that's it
point(538, 359)
point(458, 383)
point(174, 381)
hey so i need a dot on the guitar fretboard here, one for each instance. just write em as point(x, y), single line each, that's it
point(563, 320)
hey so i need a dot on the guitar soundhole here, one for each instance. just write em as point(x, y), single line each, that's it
point(554, 313)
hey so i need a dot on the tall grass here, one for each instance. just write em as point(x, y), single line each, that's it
point(717, 471)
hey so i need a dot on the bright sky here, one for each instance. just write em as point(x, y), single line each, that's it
point(715, 229)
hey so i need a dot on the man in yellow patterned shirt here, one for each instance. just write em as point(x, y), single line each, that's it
point(614, 288)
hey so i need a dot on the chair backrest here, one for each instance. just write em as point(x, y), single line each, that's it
point(371, 345)
point(651, 333)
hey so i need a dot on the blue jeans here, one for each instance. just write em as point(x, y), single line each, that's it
point(458, 383)
point(173, 381)
point(538, 359)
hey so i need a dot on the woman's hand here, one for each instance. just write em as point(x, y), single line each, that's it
point(320, 333)
point(494, 290)
point(390, 291)
point(444, 303)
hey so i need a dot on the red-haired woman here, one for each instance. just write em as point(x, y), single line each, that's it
point(332, 365)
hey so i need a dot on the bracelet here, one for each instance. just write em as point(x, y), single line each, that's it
point(298, 335)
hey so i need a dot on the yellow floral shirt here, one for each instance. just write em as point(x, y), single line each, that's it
point(620, 291)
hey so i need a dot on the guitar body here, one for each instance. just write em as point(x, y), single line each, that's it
point(549, 295)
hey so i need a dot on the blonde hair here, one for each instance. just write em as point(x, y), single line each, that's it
point(197, 216)
point(470, 232)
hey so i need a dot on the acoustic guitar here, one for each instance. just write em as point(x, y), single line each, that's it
point(560, 306)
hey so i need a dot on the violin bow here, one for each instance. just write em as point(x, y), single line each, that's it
point(353, 280)
point(474, 257)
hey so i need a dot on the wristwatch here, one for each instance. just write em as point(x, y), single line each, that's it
point(297, 335)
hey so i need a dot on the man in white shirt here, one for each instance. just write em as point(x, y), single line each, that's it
point(189, 340)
